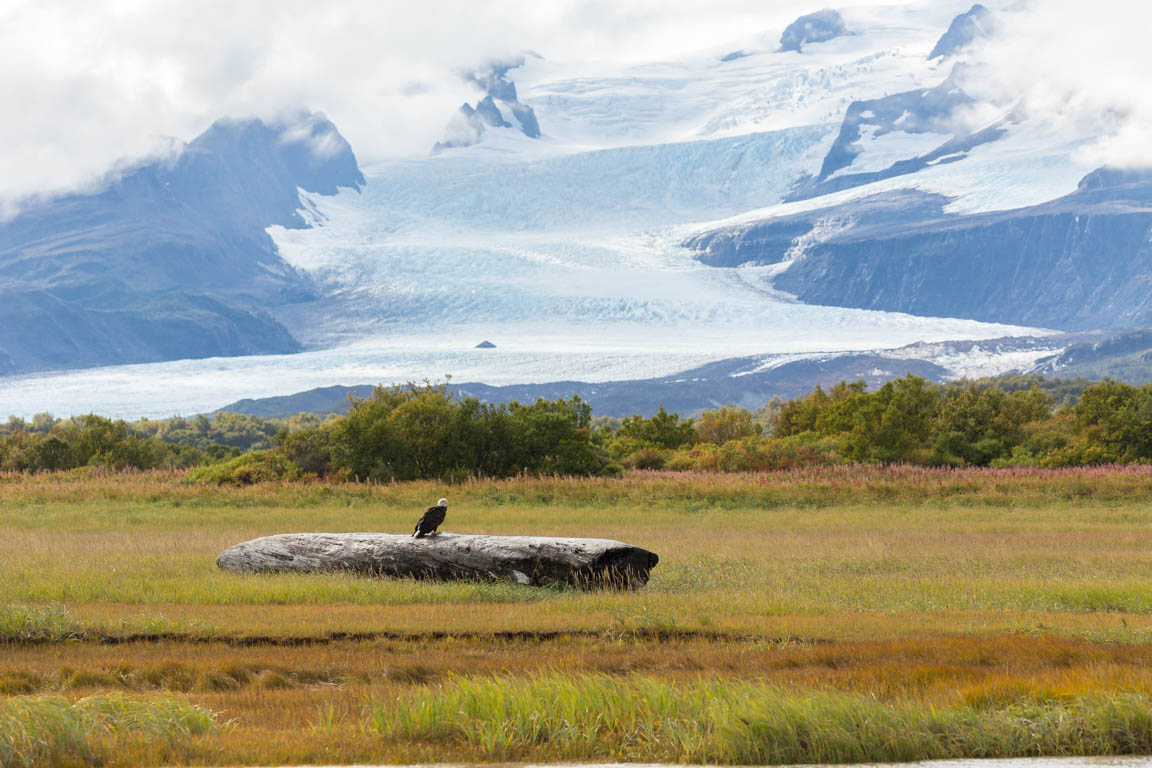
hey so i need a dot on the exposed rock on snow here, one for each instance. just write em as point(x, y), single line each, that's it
point(499, 103)
point(923, 111)
point(812, 28)
point(901, 134)
point(977, 23)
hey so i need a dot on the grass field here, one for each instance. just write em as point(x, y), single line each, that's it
point(839, 614)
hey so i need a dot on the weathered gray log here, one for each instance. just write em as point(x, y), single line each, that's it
point(534, 560)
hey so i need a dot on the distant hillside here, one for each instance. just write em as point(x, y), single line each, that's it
point(1076, 361)
point(737, 381)
point(169, 259)
point(1126, 357)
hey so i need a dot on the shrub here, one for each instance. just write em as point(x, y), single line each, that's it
point(308, 449)
point(664, 430)
point(254, 467)
point(645, 458)
point(412, 432)
point(758, 454)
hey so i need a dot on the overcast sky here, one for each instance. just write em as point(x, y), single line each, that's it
point(84, 83)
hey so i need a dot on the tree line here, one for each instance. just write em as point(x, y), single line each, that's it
point(427, 431)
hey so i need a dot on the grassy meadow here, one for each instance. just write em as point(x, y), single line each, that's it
point(836, 614)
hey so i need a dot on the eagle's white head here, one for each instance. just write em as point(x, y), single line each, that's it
point(442, 503)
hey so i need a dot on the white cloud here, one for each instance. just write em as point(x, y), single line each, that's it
point(1083, 67)
point(86, 83)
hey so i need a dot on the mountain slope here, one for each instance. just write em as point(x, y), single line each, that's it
point(724, 383)
point(169, 259)
point(1080, 262)
point(749, 381)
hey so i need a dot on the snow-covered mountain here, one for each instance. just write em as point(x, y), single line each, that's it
point(842, 185)
point(168, 258)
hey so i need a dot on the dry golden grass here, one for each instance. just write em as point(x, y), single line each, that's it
point(309, 703)
point(145, 547)
point(934, 669)
point(974, 591)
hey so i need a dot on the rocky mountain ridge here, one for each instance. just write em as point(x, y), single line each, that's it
point(1079, 262)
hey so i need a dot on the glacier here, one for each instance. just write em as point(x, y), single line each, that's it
point(565, 250)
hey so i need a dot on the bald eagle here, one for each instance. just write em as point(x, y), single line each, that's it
point(431, 520)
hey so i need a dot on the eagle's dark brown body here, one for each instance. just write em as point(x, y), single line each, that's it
point(431, 520)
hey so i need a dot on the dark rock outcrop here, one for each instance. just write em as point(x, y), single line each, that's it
point(529, 560)
point(468, 125)
point(1123, 356)
point(812, 28)
point(487, 111)
point(771, 241)
point(922, 110)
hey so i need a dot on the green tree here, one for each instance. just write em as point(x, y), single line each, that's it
point(893, 423)
point(725, 424)
point(1117, 417)
point(415, 431)
point(663, 430)
point(979, 426)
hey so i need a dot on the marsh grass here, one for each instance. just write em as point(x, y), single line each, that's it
point(591, 717)
point(54, 623)
point(641, 697)
point(848, 613)
point(936, 667)
point(687, 491)
point(52, 730)
point(737, 552)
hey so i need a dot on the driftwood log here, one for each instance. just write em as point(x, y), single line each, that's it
point(534, 560)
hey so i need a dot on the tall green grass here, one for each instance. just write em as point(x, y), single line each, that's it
point(598, 717)
point(51, 730)
point(102, 499)
point(52, 623)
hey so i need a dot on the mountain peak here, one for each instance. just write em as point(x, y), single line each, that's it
point(500, 107)
point(977, 23)
point(170, 258)
point(310, 148)
point(1111, 176)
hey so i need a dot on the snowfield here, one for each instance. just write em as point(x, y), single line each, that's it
point(563, 251)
